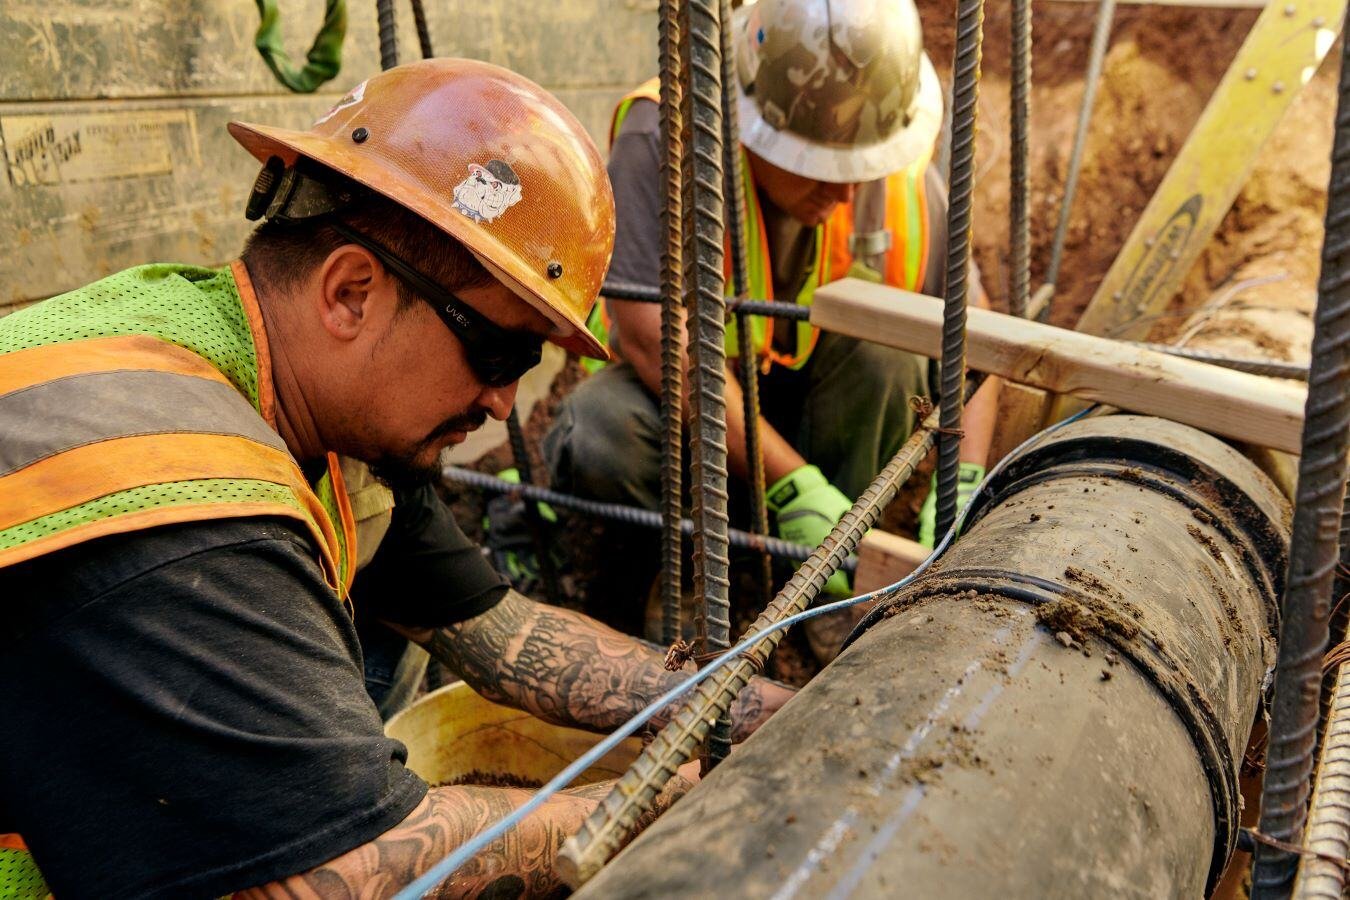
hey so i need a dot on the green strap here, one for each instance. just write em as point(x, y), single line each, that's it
point(324, 59)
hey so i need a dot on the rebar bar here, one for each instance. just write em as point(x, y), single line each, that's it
point(599, 837)
point(1328, 834)
point(630, 515)
point(740, 282)
point(1305, 610)
point(1101, 39)
point(1019, 182)
point(627, 290)
point(961, 179)
point(384, 10)
point(704, 285)
point(534, 521)
point(671, 297)
point(423, 32)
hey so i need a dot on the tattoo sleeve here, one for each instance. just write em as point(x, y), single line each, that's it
point(569, 669)
point(519, 864)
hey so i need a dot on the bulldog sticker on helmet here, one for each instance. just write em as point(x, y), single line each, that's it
point(488, 192)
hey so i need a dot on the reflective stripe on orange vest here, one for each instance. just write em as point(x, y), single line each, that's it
point(180, 426)
point(906, 219)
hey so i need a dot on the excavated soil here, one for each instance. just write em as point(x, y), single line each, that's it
point(1160, 71)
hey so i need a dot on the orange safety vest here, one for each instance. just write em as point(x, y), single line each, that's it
point(906, 219)
point(142, 400)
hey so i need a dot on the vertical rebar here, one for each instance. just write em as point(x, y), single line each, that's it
point(704, 284)
point(965, 96)
point(423, 32)
point(740, 282)
point(599, 837)
point(1020, 183)
point(1305, 609)
point(384, 9)
point(548, 574)
point(672, 322)
point(1101, 39)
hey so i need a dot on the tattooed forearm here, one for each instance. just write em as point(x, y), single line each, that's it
point(521, 864)
point(569, 669)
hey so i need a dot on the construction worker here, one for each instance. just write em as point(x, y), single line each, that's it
point(839, 111)
point(185, 713)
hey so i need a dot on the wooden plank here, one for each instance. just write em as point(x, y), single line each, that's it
point(1280, 55)
point(1262, 411)
point(1021, 413)
point(885, 558)
point(86, 49)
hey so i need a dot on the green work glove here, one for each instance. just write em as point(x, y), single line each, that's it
point(807, 508)
point(968, 478)
point(508, 537)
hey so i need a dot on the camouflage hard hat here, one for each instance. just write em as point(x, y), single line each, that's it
point(836, 90)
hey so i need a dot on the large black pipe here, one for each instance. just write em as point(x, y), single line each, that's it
point(1058, 709)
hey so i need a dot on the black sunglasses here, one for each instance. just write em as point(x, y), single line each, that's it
point(499, 356)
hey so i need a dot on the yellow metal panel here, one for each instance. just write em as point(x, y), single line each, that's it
point(1278, 58)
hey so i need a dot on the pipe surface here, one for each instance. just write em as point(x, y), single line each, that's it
point(1306, 607)
point(1058, 709)
point(606, 827)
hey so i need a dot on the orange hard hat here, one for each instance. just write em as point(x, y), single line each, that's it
point(491, 159)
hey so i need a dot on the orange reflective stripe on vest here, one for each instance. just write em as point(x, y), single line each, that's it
point(84, 421)
point(906, 219)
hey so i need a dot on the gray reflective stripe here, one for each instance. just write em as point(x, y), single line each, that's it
point(45, 419)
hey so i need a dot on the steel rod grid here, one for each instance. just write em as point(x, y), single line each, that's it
point(671, 298)
point(965, 99)
point(704, 287)
point(1305, 609)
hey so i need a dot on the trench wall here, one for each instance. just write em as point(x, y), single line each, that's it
point(113, 112)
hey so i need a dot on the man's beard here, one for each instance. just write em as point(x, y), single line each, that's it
point(404, 471)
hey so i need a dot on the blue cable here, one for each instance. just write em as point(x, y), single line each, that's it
point(466, 851)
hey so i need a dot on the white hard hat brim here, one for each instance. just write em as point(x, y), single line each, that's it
point(848, 164)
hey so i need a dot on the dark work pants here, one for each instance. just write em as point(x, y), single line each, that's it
point(847, 411)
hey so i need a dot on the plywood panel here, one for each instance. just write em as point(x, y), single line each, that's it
point(96, 187)
point(85, 49)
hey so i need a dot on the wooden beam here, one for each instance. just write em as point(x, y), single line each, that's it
point(885, 558)
point(1021, 413)
point(1263, 411)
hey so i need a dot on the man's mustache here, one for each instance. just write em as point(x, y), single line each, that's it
point(466, 423)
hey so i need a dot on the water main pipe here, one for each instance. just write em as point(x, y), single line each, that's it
point(1058, 708)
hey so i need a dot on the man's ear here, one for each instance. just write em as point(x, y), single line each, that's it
point(349, 280)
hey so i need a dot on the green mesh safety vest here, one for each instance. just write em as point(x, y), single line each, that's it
point(140, 400)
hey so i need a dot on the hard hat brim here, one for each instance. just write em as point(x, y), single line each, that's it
point(848, 164)
point(569, 331)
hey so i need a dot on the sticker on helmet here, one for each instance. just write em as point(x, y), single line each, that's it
point(488, 192)
point(352, 97)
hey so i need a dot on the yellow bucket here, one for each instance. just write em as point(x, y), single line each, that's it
point(454, 735)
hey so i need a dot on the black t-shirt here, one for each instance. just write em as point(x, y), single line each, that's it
point(185, 713)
